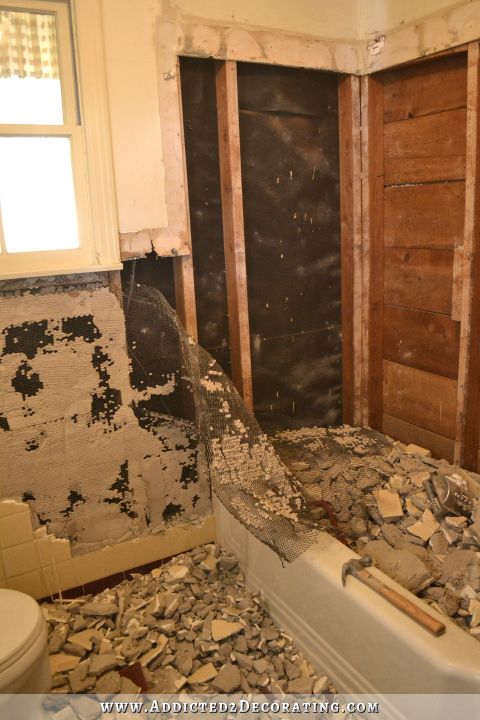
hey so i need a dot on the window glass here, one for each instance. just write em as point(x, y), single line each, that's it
point(30, 89)
point(37, 194)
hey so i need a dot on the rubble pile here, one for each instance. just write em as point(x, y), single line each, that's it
point(379, 494)
point(189, 625)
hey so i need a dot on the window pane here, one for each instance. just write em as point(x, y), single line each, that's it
point(30, 91)
point(30, 101)
point(37, 197)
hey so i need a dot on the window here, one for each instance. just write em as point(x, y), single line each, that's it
point(56, 193)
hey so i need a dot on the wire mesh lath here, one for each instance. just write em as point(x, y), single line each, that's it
point(244, 471)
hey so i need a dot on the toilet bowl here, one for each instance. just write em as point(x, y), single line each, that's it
point(24, 663)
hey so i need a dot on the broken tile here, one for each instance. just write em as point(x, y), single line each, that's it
point(438, 543)
point(108, 684)
point(74, 649)
point(176, 573)
point(99, 609)
point(202, 675)
point(474, 610)
point(222, 629)
point(320, 685)
point(209, 563)
point(418, 478)
point(228, 679)
point(425, 527)
point(102, 663)
point(226, 562)
point(417, 450)
point(85, 637)
point(456, 522)
point(412, 509)
point(184, 658)
point(397, 482)
point(60, 662)
point(155, 651)
point(168, 681)
point(129, 625)
point(301, 686)
point(57, 638)
point(79, 679)
point(389, 504)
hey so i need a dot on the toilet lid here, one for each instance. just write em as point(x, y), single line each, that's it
point(20, 624)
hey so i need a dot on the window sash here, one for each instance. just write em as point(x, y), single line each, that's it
point(90, 144)
point(41, 260)
point(80, 183)
point(61, 12)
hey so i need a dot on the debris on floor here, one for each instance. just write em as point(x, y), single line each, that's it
point(188, 625)
point(417, 517)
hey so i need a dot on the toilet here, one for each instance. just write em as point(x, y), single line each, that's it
point(24, 663)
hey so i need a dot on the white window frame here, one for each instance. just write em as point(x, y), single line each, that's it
point(86, 124)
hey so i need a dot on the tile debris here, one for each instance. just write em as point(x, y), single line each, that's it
point(189, 625)
point(380, 496)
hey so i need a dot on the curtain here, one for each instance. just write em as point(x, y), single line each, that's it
point(28, 45)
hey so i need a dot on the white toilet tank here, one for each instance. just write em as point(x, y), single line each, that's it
point(24, 663)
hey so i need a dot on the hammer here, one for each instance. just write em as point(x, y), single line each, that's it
point(357, 568)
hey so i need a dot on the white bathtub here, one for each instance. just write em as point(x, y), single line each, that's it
point(351, 634)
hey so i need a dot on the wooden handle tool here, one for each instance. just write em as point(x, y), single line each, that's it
point(358, 569)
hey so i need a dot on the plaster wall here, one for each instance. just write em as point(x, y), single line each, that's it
point(143, 39)
point(71, 443)
point(142, 42)
point(380, 16)
point(396, 31)
point(320, 18)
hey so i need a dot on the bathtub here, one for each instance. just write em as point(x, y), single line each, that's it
point(351, 634)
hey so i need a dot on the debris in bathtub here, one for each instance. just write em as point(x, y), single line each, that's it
point(418, 517)
point(188, 625)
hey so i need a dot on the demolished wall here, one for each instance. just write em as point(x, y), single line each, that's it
point(70, 441)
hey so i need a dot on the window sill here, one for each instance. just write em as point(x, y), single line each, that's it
point(69, 270)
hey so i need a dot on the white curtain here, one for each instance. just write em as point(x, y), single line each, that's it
point(28, 45)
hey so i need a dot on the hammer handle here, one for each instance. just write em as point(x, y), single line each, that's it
point(402, 603)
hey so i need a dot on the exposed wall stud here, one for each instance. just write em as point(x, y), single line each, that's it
point(183, 264)
point(115, 284)
point(233, 228)
point(185, 293)
point(468, 401)
point(351, 245)
point(372, 250)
